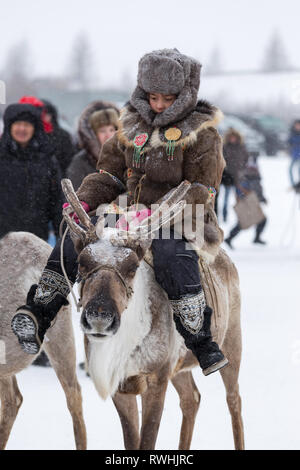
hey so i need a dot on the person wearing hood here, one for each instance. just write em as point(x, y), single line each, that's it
point(37, 103)
point(30, 189)
point(165, 136)
point(236, 157)
point(294, 147)
point(61, 141)
point(97, 123)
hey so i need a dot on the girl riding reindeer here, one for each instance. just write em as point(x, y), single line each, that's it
point(165, 136)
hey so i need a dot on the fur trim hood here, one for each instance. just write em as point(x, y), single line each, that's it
point(18, 111)
point(104, 117)
point(169, 72)
point(204, 115)
point(233, 132)
point(86, 136)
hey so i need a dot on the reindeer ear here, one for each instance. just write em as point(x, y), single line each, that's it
point(139, 245)
point(77, 242)
point(142, 247)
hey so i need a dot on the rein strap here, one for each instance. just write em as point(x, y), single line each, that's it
point(108, 267)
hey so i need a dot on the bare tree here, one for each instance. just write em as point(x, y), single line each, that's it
point(16, 72)
point(127, 82)
point(80, 69)
point(275, 57)
point(17, 61)
point(215, 63)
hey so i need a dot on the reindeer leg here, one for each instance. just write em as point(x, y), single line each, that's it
point(61, 352)
point(126, 406)
point(152, 406)
point(232, 349)
point(11, 400)
point(189, 403)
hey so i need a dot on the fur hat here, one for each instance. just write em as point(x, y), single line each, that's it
point(169, 72)
point(104, 117)
point(86, 135)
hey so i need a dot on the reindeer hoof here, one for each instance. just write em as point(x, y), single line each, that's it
point(215, 367)
point(25, 328)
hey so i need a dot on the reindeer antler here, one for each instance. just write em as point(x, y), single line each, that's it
point(170, 205)
point(88, 235)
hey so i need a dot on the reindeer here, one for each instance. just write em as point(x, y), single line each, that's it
point(23, 256)
point(131, 342)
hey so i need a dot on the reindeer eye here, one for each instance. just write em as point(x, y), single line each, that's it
point(83, 267)
point(206, 218)
point(81, 272)
point(84, 262)
point(132, 270)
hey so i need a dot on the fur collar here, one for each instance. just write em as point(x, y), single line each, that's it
point(181, 107)
point(203, 116)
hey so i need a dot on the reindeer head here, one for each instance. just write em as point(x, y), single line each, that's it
point(109, 259)
point(107, 269)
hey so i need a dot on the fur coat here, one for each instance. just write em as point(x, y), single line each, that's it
point(83, 164)
point(85, 161)
point(197, 158)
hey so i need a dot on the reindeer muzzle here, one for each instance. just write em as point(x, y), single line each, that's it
point(98, 321)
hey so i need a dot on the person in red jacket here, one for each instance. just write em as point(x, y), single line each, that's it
point(59, 141)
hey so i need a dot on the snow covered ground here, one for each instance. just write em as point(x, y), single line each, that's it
point(270, 370)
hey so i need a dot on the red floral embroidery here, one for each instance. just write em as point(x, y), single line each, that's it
point(140, 140)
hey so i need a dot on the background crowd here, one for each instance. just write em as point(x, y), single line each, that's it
point(35, 153)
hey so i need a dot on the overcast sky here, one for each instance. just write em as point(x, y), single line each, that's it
point(120, 31)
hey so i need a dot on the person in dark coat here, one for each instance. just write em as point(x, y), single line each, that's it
point(30, 190)
point(250, 180)
point(97, 123)
point(55, 141)
point(294, 146)
point(58, 141)
point(63, 147)
point(236, 157)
